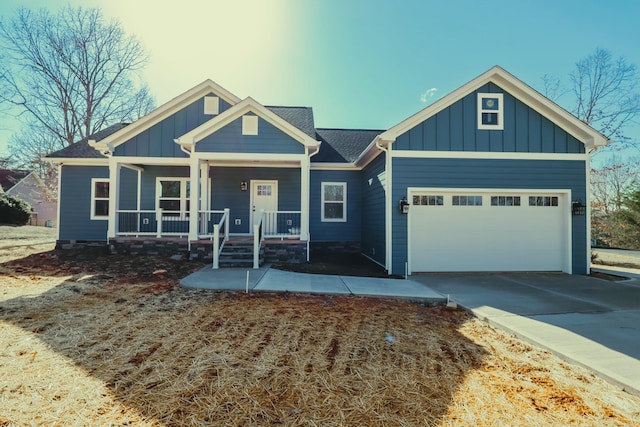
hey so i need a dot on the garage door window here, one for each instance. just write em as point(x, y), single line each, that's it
point(428, 200)
point(466, 200)
point(505, 200)
point(543, 201)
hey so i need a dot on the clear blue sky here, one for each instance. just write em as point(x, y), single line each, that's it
point(360, 63)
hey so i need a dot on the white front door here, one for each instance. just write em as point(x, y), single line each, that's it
point(264, 197)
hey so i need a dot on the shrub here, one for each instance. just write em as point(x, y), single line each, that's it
point(13, 210)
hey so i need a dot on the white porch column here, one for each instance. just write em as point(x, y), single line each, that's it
point(205, 191)
point(194, 204)
point(114, 196)
point(304, 198)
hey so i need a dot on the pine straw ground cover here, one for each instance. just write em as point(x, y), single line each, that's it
point(92, 340)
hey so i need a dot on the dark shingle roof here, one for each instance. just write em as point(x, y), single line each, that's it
point(82, 149)
point(300, 117)
point(10, 177)
point(343, 145)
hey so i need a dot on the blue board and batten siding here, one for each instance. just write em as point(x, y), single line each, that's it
point(158, 140)
point(349, 231)
point(226, 192)
point(455, 128)
point(75, 221)
point(373, 181)
point(269, 139)
point(488, 173)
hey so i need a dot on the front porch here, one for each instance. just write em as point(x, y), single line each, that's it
point(157, 232)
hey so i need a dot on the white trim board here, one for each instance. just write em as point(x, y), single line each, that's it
point(486, 155)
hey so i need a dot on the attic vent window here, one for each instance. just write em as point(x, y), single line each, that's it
point(490, 111)
point(249, 125)
point(211, 105)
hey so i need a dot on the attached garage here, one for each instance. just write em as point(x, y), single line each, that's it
point(489, 230)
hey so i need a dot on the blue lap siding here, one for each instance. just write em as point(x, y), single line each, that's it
point(269, 139)
point(374, 180)
point(349, 231)
point(226, 192)
point(75, 204)
point(489, 173)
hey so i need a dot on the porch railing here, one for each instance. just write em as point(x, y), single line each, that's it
point(220, 240)
point(146, 223)
point(208, 219)
point(258, 237)
point(282, 224)
point(151, 223)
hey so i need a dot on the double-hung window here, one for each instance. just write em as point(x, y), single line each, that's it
point(490, 111)
point(99, 198)
point(172, 196)
point(334, 202)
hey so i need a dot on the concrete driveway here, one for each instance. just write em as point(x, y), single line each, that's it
point(593, 322)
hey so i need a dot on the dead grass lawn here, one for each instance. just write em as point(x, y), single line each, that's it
point(90, 339)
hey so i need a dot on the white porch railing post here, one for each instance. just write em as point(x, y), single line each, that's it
point(216, 246)
point(159, 222)
point(256, 246)
point(226, 224)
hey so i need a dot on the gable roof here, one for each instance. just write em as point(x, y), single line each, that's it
point(156, 116)
point(248, 105)
point(11, 177)
point(343, 145)
point(82, 149)
point(590, 137)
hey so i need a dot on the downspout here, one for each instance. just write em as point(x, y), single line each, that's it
point(308, 195)
point(387, 203)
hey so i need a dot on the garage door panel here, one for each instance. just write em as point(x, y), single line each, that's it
point(487, 238)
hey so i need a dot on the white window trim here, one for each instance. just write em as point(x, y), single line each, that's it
point(94, 198)
point(499, 111)
point(183, 193)
point(249, 125)
point(344, 202)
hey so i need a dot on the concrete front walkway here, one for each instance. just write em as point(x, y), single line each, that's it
point(267, 279)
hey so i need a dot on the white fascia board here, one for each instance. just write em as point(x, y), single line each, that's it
point(248, 105)
point(517, 88)
point(256, 158)
point(76, 161)
point(334, 166)
point(168, 161)
point(167, 109)
point(486, 155)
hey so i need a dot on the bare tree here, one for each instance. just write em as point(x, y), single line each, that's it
point(603, 92)
point(611, 181)
point(607, 93)
point(69, 74)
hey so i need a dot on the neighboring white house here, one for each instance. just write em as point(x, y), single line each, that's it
point(27, 186)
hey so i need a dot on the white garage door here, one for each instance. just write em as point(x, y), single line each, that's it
point(488, 231)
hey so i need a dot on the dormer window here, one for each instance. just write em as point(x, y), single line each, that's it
point(490, 111)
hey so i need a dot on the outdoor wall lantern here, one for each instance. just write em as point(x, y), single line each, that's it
point(578, 208)
point(404, 205)
point(243, 185)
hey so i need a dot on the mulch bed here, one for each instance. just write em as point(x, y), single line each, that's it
point(340, 264)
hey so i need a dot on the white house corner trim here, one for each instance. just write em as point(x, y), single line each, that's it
point(588, 208)
point(194, 177)
point(389, 210)
point(114, 197)
point(59, 166)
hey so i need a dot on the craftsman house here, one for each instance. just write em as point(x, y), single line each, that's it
point(492, 177)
